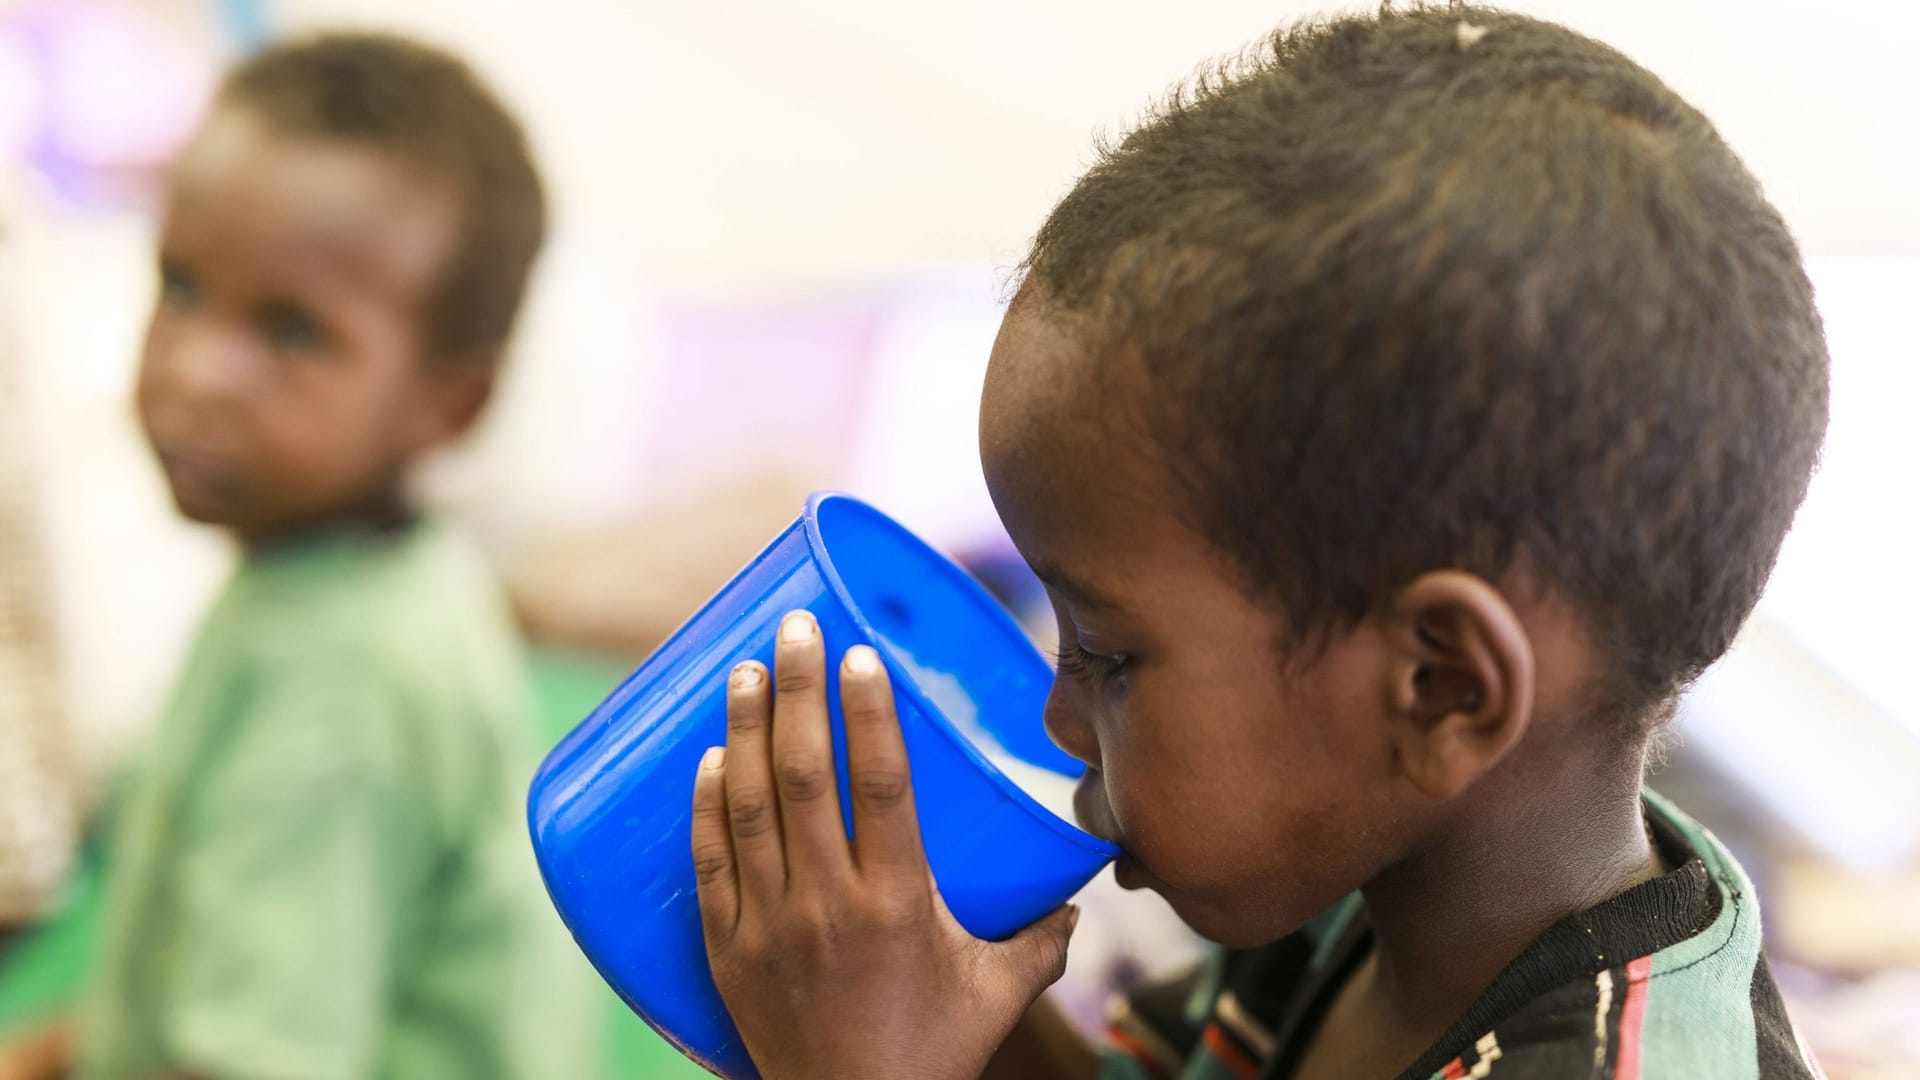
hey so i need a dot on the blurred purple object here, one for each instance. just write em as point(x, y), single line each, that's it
point(96, 91)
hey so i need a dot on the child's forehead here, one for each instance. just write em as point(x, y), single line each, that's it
point(1064, 401)
point(1061, 436)
point(1043, 380)
point(268, 196)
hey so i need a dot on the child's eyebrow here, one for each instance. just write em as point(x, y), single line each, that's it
point(1081, 595)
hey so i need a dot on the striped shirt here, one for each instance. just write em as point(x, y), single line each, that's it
point(1662, 982)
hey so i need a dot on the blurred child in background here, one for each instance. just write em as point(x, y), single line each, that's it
point(321, 871)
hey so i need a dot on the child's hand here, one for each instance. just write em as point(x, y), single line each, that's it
point(839, 960)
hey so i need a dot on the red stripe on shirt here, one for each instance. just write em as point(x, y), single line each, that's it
point(1453, 1070)
point(1139, 1051)
point(1230, 1055)
point(1633, 1015)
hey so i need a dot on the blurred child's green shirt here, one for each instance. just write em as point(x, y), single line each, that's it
point(321, 871)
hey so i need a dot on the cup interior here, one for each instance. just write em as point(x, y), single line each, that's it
point(953, 651)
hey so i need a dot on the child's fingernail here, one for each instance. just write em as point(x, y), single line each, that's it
point(715, 757)
point(746, 675)
point(1073, 910)
point(796, 627)
point(862, 660)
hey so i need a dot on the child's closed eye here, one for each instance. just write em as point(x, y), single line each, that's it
point(1073, 661)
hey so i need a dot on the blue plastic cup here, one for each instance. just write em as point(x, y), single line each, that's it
point(609, 808)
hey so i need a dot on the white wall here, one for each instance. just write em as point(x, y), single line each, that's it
point(784, 139)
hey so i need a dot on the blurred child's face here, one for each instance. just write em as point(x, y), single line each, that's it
point(283, 381)
point(1251, 799)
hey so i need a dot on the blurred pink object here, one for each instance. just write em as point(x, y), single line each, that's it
point(743, 387)
point(100, 87)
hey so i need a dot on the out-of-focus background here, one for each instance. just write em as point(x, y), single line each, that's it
point(782, 236)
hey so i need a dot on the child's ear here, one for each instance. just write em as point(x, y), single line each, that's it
point(1462, 680)
point(455, 390)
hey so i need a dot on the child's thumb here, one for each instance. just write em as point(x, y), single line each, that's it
point(1038, 954)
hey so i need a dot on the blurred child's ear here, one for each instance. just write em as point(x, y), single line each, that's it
point(1462, 680)
point(455, 390)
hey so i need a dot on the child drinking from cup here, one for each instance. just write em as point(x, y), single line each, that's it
point(1400, 418)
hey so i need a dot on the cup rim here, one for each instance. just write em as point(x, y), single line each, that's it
point(902, 684)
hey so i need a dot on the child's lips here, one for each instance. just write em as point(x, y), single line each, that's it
point(1095, 815)
point(196, 477)
point(1090, 808)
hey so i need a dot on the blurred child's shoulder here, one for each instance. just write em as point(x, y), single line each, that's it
point(359, 591)
point(411, 622)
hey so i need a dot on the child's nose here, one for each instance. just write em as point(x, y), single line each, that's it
point(205, 363)
point(1066, 724)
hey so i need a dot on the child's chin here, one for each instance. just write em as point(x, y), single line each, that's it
point(206, 510)
point(1235, 930)
point(1215, 922)
point(200, 496)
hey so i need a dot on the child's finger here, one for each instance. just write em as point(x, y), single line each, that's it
point(886, 833)
point(803, 771)
point(713, 869)
point(753, 810)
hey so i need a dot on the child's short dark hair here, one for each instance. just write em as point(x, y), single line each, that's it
point(428, 111)
point(1454, 287)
